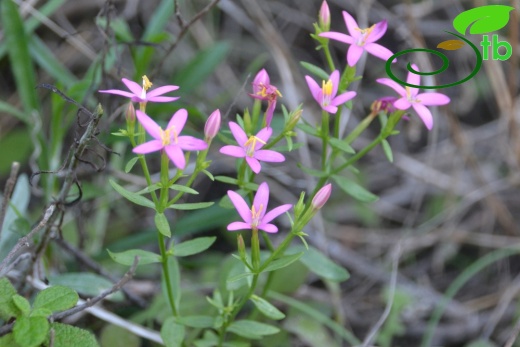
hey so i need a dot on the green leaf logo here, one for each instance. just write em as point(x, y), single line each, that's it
point(483, 19)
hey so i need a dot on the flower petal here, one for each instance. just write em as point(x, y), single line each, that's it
point(353, 54)
point(134, 87)
point(233, 151)
point(379, 51)
point(334, 78)
point(161, 90)
point(330, 109)
point(338, 37)
point(264, 134)
point(178, 120)
point(149, 124)
point(342, 98)
point(162, 98)
point(190, 143)
point(392, 84)
point(253, 164)
point(433, 99)
point(268, 228)
point(313, 87)
point(275, 212)
point(269, 156)
point(352, 25)
point(118, 92)
point(261, 199)
point(238, 226)
point(378, 32)
point(413, 78)
point(424, 114)
point(241, 206)
point(262, 77)
point(149, 147)
point(269, 112)
point(238, 133)
point(176, 155)
point(402, 104)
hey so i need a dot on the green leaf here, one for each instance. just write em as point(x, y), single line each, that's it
point(172, 333)
point(207, 173)
point(127, 257)
point(18, 50)
point(267, 308)
point(194, 246)
point(30, 331)
point(8, 308)
point(201, 322)
point(41, 312)
point(85, 283)
point(322, 266)
point(355, 190)
point(312, 172)
point(133, 197)
point(482, 19)
point(116, 336)
point(225, 179)
point(341, 145)
point(239, 276)
point(282, 262)
point(67, 336)
point(388, 151)
point(191, 206)
point(56, 298)
point(162, 224)
point(175, 281)
point(48, 61)
point(251, 329)
point(200, 67)
point(308, 129)
point(23, 305)
point(184, 189)
point(130, 164)
point(315, 70)
point(8, 341)
point(8, 108)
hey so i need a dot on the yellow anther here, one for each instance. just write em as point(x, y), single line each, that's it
point(327, 87)
point(146, 83)
point(251, 144)
point(166, 136)
point(255, 215)
point(365, 32)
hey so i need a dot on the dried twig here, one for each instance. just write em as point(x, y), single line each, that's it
point(184, 30)
point(9, 186)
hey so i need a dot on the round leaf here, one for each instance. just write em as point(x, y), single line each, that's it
point(56, 298)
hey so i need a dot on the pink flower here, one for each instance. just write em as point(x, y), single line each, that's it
point(256, 218)
point(251, 148)
point(411, 98)
point(384, 104)
point(139, 94)
point(212, 126)
point(169, 139)
point(321, 196)
point(263, 90)
point(361, 39)
point(326, 95)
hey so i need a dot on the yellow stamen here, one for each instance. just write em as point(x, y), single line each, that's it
point(365, 32)
point(326, 88)
point(251, 144)
point(146, 83)
point(166, 136)
point(255, 215)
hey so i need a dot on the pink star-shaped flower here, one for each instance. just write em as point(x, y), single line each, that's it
point(326, 94)
point(361, 39)
point(250, 148)
point(139, 93)
point(264, 90)
point(256, 217)
point(411, 98)
point(169, 139)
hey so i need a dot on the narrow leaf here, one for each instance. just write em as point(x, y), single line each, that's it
point(354, 189)
point(130, 164)
point(127, 257)
point(191, 206)
point(133, 197)
point(184, 189)
point(341, 145)
point(194, 246)
point(85, 283)
point(282, 262)
point(161, 223)
point(267, 308)
point(201, 322)
point(388, 151)
point(315, 70)
point(322, 266)
point(251, 329)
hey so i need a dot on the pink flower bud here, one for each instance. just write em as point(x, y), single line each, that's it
point(130, 113)
point(324, 16)
point(321, 197)
point(212, 126)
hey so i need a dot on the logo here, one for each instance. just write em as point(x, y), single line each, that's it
point(481, 20)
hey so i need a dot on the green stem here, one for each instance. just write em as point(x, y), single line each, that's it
point(360, 128)
point(166, 274)
point(328, 56)
point(324, 138)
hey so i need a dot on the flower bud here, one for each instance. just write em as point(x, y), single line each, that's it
point(321, 197)
point(295, 118)
point(384, 104)
point(324, 16)
point(212, 126)
point(241, 247)
point(130, 113)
